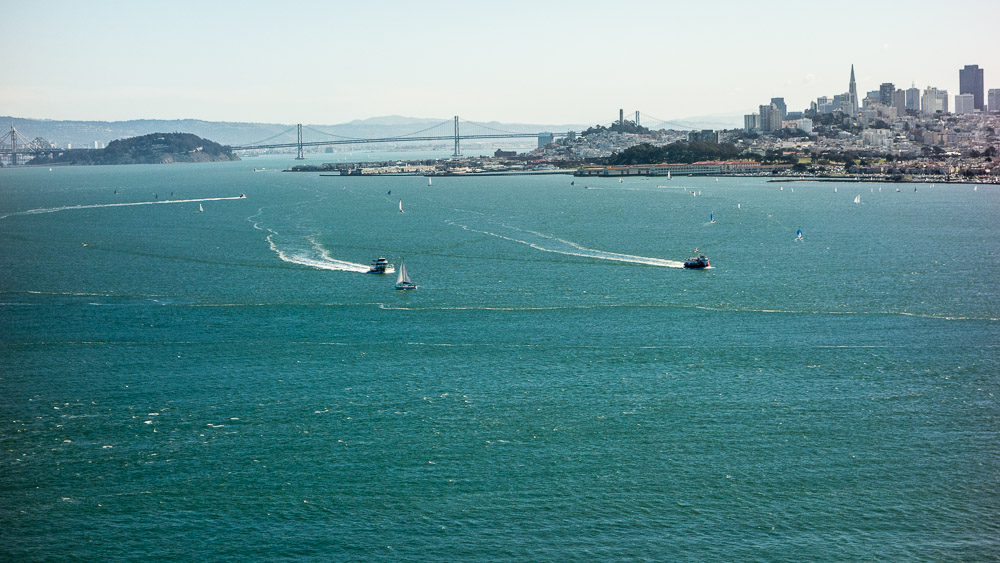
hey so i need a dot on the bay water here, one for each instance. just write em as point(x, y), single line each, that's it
point(229, 385)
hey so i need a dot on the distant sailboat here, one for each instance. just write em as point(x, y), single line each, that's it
point(739, 206)
point(200, 208)
point(620, 181)
point(430, 181)
point(835, 189)
point(389, 192)
point(402, 279)
point(400, 206)
point(798, 235)
point(572, 182)
point(711, 217)
point(857, 198)
point(668, 174)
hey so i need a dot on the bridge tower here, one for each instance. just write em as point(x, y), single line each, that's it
point(458, 149)
point(636, 118)
point(300, 157)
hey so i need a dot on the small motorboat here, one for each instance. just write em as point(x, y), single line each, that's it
point(379, 266)
point(696, 263)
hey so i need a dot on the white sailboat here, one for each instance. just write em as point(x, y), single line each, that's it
point(200, 208)
point(402, 279)
point(857, 198)
point(400, 206)
point(430, 181)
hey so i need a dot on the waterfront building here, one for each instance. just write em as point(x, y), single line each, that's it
point(913, 98)
point(994, 99)
point(964, 103)
point(970, 81)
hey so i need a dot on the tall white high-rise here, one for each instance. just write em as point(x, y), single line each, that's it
point(965, 103)
point(993, 99)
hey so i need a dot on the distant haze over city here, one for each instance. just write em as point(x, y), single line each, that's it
point(513, 62)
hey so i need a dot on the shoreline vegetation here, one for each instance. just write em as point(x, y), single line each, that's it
point(155, 148)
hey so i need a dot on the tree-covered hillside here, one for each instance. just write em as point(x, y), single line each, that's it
point(156, 148)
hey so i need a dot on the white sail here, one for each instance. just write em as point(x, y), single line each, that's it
point(400, 206)
point(857, 198)
point(402, 279)
point(430, 181)
point(200, 208)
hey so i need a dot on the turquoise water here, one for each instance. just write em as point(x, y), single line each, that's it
point(227, 385)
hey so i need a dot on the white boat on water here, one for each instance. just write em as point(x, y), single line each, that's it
point(380, 266)
point(430, 181)
point(400, 206)
point(403, 280)
point(200, 208)
point(857, 198)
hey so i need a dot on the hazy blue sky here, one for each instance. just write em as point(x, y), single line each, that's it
point(508, 60)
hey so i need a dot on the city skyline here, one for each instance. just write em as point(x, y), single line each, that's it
point(518, 62)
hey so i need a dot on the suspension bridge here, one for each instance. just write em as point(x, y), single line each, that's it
point(16, 148)
point(463, 131)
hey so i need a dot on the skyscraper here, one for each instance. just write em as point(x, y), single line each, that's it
point(913, 98)
point(964, 103)
point(970, 81)
point(780, 103)
point(885, 92)
point(852, 93)
point(994, 99)
point(770, 118)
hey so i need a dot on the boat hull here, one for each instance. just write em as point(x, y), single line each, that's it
point(699, 263)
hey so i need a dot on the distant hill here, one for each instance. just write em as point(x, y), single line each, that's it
point(157, 148)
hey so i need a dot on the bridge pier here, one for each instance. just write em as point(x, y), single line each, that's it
point(300, 156)
point(458, 149)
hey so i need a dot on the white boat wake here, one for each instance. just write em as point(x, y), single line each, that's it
point(102, 205)
point(548, 243)
point(313, 256)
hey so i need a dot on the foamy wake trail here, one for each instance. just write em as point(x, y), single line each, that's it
point(313, 256)
point(100, 205)
point(548, 243)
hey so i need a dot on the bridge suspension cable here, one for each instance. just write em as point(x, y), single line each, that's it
point(488, 128)
point(261, 142)
point(665, 122)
